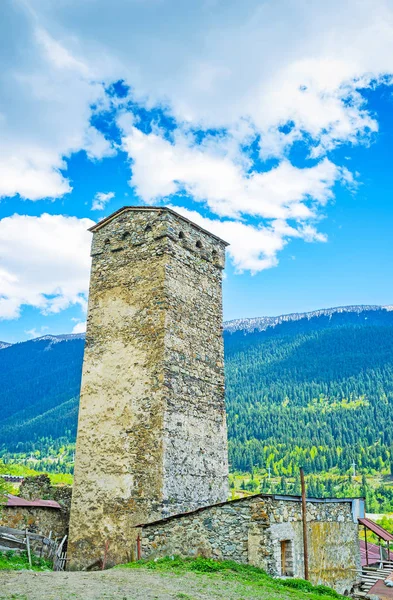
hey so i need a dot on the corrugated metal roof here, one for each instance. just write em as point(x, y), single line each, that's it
point(20, 502)
point(374, 554)
point(377, 529)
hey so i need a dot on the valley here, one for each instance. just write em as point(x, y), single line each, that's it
point(312, 390)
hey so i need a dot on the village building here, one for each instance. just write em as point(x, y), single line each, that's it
point(39, 507)
point(38, 516)
point(266, 531)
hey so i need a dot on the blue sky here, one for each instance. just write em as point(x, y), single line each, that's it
point(289, 161)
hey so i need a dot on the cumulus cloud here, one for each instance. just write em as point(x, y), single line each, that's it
point(212, 175)
point(215, 63)
point(44, 263)
point(210, 64)
point(264, 73)
point(101, 199)
point(252, 248)
point(79, 327)
point(45, 110)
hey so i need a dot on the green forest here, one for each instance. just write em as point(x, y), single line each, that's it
point(315, 392)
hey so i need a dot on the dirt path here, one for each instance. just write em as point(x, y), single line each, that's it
point(138, 584)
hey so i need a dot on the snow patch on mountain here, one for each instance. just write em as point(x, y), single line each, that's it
point(262, 323)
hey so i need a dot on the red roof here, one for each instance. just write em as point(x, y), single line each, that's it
point(374, 555)
point(377, 529)
point(16, 501)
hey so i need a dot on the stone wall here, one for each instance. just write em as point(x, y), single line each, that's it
point(35, 519)
point(152, 432)
point(252, 531)
point(40, 519)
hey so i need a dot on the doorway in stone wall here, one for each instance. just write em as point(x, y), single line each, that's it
point(286, 558)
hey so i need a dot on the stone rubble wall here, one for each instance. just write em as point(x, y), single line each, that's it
point(251, 531)
point(35, 519)
point(40, 519)
point(151, 433)
point(195, 435)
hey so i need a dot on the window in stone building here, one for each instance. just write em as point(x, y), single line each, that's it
point(198, 244)
point(181, 235)
point(107, 242)
point(286, 558)
point(148, 228)
point(125, 235)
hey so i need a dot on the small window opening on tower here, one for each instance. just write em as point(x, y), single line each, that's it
point(198, 244)
point(181, 235)
point(125, 235)
point(107, 242)
point(148, 228)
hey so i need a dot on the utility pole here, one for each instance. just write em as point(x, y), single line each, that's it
point(304, 519)
point(354, 469)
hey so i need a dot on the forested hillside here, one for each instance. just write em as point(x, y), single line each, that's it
point(316, 390)
point(319, 398)
point(39, 392)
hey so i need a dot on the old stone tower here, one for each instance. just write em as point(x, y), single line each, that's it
point(152, 438)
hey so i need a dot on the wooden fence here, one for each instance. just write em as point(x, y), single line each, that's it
point(43, 546)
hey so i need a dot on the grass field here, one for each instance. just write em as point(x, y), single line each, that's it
point(256, 580)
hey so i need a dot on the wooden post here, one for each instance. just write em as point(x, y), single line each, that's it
point(304, 519)
point(28, 548)
point(138, 547)
point(365, 539)
point(380, 552)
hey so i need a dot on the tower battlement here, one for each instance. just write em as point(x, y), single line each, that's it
point(152, 439)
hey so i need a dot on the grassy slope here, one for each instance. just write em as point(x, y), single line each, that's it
point(12, 561)
point(251, 580)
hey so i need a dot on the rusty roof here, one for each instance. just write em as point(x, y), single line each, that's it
point(16, 501)
point(158, 209)
point(373, 553)
point(377, 529)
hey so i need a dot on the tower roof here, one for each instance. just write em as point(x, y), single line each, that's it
point(158, 209)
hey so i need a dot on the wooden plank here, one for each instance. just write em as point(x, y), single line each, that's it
point(18, 532)
point(10, 538)
point(8, 549)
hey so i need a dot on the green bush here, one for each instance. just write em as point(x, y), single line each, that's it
point(14, 561)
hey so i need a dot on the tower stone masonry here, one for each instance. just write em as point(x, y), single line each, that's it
point(152, 438)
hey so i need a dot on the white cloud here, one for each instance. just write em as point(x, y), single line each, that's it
point(101, 199)
point(44, 263)
point(252, 248)
point(210, 174)
point(220, 179)
point(79, 327)
point(34, 333)
point(214, 64)
point(45, 108)
point(272, 72)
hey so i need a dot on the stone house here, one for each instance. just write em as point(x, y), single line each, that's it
point(266, 531)
point(38, 516)
point(39, 507)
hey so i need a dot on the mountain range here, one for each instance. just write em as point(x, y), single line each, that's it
point(309, 388)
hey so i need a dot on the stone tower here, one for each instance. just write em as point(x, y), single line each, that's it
point(152, 438)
